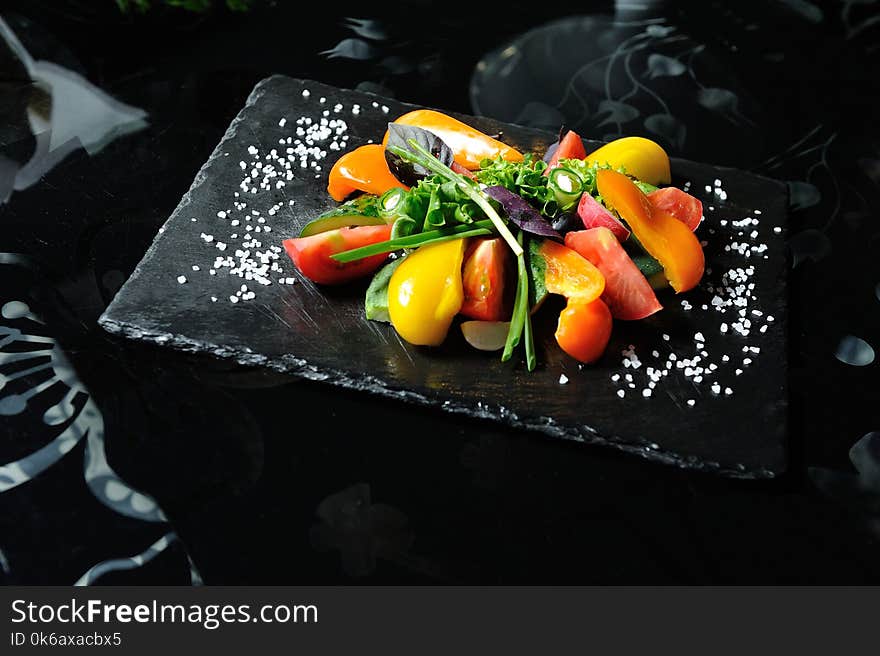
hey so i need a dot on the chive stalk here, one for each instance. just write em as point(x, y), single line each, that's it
point(460, 231)
point(520, 316)
point(531, 356)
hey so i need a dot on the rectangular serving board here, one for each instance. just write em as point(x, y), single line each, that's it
point(321, 333)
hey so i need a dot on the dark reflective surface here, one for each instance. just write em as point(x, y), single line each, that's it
point(109, 450)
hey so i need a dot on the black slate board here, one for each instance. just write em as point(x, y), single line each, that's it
point(321, 334)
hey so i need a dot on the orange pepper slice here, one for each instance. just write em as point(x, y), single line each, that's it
point(666, 238)
point(362, 169)
point(570, 274)
point(469, 145)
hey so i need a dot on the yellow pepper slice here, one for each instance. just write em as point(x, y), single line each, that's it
point(425, 292)
point(469, 146)
point(641, 158)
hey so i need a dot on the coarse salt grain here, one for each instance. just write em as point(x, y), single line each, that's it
point(563, 379)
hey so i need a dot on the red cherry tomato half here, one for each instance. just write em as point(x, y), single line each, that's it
point(584, 330)
point(628, 293)
point(483, 276)
point(311, 255)
point(678, 203)
point(571, 147)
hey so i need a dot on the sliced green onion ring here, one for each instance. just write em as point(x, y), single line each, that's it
point(390, 201)
point(566, 186)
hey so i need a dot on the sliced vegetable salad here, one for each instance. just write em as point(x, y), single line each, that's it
point(481, 231)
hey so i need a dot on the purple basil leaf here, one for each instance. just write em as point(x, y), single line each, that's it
point(520, 212)
point(551, 150)
point(407, 172)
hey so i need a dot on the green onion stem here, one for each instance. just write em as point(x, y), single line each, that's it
point(460, 231)
point(531, 357)
point(520, 307)
point(566, 185)
point(419, 155)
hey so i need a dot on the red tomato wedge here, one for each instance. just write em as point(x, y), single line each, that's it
point(594, 215)
point(311, 255)
point(571, 147)
point(678, 203)
point(628, 293)
point(584, 329)
point(483, 276)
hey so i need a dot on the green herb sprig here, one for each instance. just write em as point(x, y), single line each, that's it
point(525, 178)
point(419, 155)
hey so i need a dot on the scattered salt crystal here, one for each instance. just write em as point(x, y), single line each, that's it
point(621, 393)
point(691, 402)
point(181, 279)
point(563, 379)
